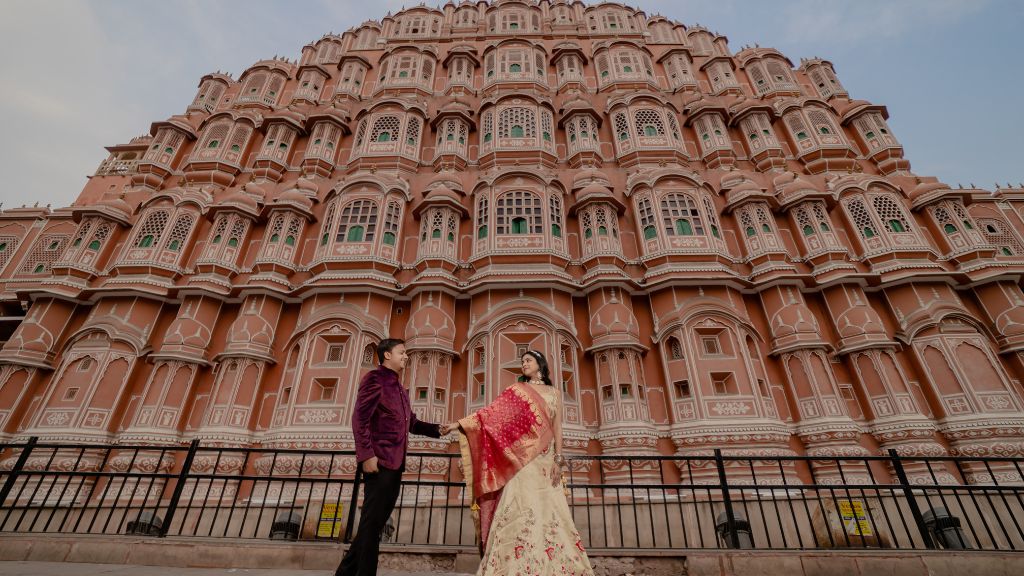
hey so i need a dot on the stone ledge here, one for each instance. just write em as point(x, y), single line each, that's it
point(239, 554)
point(869, 562)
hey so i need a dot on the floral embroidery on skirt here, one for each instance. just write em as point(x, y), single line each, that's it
point(533, 533)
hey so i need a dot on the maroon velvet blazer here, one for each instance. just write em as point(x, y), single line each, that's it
point(383, 419)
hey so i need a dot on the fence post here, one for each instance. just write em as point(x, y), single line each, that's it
point(172, 506)
point(16, 470)
point(351, 522)
point(734, 540)
point(908, 493)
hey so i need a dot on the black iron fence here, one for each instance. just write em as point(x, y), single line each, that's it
point(618, 502)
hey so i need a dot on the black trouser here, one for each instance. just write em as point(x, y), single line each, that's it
point(382, 490)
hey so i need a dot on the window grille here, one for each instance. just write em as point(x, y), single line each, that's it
point(385, 129)
point(523, 118)
point(998, 234)
point(861, 219)
point(182, 226)
point(360, 215)
point(391, 221)
point(647, 218)
point(152, 229)
point(648, 123)
point(482, 217)
point(46, 251)
point(680, 215)
point(518, 205)
point(890, 214)
point(8, 246)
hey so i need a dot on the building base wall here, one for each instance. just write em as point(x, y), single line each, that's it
point(218, 553)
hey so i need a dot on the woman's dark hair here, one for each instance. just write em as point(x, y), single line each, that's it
point(387, 345)
point(545, 373)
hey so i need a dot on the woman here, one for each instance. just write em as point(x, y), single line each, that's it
point(511, 454)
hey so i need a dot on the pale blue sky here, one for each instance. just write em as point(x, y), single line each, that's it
point(81, 75)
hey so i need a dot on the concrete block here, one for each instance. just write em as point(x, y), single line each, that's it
point(952, 564)
point(322, 558)
point(48, 551)
point(891, 566)
point(206, 556)
point(763, 564)
point(467, 563)
point(704, 565)
point(661, 567)
point(829, 565)
point(612, 566)
point(99, 552)
point(16, 549)
point(268, 557)
point(161, 554)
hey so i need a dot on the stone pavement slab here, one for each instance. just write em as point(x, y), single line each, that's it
point(83, 569)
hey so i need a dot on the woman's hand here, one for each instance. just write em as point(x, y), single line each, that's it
point(556, 470)
point(450, 427)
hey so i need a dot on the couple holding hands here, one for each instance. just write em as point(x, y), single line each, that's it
point(511, 460)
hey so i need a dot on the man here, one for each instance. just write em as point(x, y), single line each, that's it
point(381, 423)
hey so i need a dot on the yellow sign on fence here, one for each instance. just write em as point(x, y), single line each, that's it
point(854, 517)
point(330, 521)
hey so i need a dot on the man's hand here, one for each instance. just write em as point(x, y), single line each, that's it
point(370, 465)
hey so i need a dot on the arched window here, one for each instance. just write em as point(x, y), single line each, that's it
point(276, 227)
point(385, 129)
point(778, 73)
point(621, 127)
point(675, 349)
point(861, 219)
point(647, 221)
point(481, 218)
point(680, 215)
point(891, 214)
point(488, 123)
point(556, 215)
point(517, 123)
point(254, 84)
point(998, 233)
point(179, 233)
point(518, 212)
point(412, 132)
point(822, 123)
point(712, 214)
point(328, 224)
point(648, 123)
point(358, 221)
point(152, 229)
point(586, 224)
point(391, 221)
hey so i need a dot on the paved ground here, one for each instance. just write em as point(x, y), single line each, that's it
point(78, 569)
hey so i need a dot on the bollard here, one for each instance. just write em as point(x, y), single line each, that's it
point(945, 529)
point(740, 526)
point(286, 527)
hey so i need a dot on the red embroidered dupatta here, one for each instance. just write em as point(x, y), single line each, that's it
point(496, 443)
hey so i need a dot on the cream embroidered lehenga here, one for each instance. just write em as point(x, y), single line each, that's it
point(524, 522)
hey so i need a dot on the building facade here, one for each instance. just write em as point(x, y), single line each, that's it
point(714, 249)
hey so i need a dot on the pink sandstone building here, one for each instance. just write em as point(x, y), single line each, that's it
point(716, 249)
